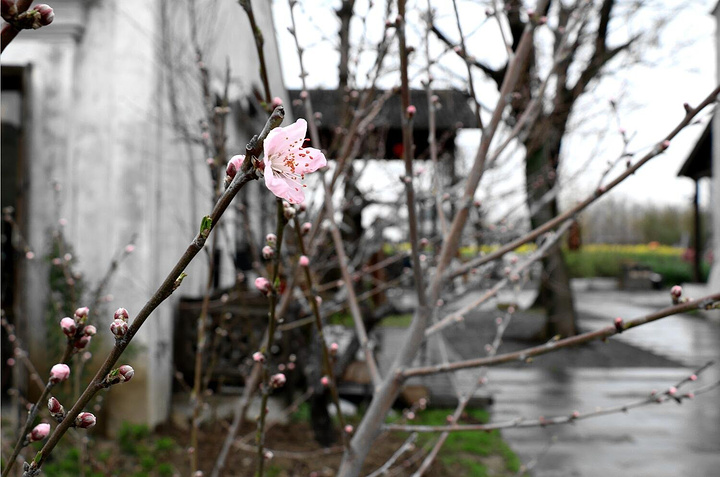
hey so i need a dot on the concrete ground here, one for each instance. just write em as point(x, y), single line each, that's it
point(658, 440)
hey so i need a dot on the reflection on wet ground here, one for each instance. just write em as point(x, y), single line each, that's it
point(656, 440)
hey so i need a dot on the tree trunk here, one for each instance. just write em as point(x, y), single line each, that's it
point(543, 153)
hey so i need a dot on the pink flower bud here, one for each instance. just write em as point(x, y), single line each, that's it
point(29, 255)
point(410, 415)
point(676, 292)
point(271, 239)
point(411, 110)
point(269, 455)
point(665, 144)
point(59, 373)
point(575, 414)
point(288, 211)
point(318, 300)
point(693, 377)
point(349, 429)
point(690, 395)
point(68, 326)
point(82, 342)
point(126, 371)
point(304, 261)
point(121, 314)
point(277, 380)
point(54, 406)
point(258, 357)
point(82, 313)
point(268, 252)
point(39, 432)
point(305, 228)
point(672, 391)
point(277, 101)
point(334, 348)
point(85, 420)
point(119, 328)
point(303, 94)
point(129, 248)
point(46, 14)
point(325, 381)
point(262, 284)
point(234, 165)
point(89, 330)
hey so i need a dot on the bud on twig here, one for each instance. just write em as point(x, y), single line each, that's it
point(59, 373)
point(85, 420)
point(119, 328)
point(56, 409)
point(263, 284)
point(68, 326)
point(39, 432)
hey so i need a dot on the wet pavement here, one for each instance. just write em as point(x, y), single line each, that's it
point(656, 440)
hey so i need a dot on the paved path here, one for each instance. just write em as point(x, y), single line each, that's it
point(655, 441)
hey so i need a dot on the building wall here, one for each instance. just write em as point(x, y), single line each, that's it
point(102, 126)
point(714, 279)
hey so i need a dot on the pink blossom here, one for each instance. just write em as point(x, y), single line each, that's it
point(29, 255)
point(325, 381)
point(262, 284)
point(411, 110)
point(304, 261)
point(39, 432)
point(68, 326)
point(287, 162)
point(58, 373)
point(234, 165)
point(672, 391)
point(130, 248)
point(271, 239)
point(90, 330)
point(693, 377)
point(85, 420)
point(258, 357)
point(334, 348)
point(349, 429)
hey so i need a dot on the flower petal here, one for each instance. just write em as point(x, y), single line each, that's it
point(315, 160)
point(280, 140)
point(292, 192)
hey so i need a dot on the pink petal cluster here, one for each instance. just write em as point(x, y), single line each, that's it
point(287, 162)
point(262, 284)
point(304, 261)
point(277, 380)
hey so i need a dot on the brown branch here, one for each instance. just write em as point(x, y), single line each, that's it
point(523, 355)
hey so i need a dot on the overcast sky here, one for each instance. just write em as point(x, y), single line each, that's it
point(677, 67)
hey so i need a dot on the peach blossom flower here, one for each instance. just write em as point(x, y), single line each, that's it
point(287, 162)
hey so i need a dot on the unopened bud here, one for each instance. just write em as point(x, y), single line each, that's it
point(271, 239)
point(119, 328)
point(676, 292)
point(349, 429)
point(39, 432)
point(334, 348)
point(268, 252)
point(68, 326)
point(82, 342)
point(325, 381)
point(258, 357)
point(82, 313)
point(277, 380)
point(126, 372)
point(263, 284)
point(121, 314)
point(234, 165)
point(89, 330)
point(59, 373)
point(288, 211)
point(54, 405)
point(410, 111)
point(305, 228)
point(304, 261)
point(85, 420)
point(47, 15)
